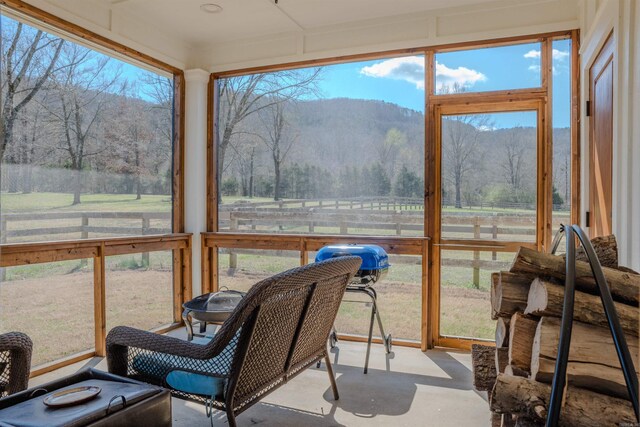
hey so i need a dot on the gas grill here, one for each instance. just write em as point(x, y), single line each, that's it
point(375, 265)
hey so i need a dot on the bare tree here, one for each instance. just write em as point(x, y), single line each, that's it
point(161, 91)
point(514, 149)
point(246, 155)
point(34, 127)
point(130, 136)
point(27, 63)
point(460, 148)
point(240, 97)
point(83, 91)
point(388, 152)
point(278, 138)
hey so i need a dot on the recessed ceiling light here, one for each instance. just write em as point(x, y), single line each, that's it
point(211, 8)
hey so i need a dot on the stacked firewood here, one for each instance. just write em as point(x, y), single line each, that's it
point(527, 304)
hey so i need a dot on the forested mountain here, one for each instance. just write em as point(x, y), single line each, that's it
point(76, 121)
point(353, 147)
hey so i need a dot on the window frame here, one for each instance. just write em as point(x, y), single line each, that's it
point(427, 245)
point(14, 254)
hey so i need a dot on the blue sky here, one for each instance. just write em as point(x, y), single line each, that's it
point(400, 80)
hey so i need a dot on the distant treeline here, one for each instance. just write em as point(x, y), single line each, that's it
point(312, 182)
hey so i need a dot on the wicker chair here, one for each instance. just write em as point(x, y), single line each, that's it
point(15, 362)
point(279, 329)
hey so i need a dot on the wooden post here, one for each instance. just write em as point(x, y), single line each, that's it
point(304, 255)
point(494, 235)
point(146, 225)
point(343, 227)
point(233, 257)
point(205, 259)
point(84, 234)
point(3, 239)
point(99, 303)
point(476, 254)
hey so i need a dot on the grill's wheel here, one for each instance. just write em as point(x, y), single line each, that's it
point(388, 343)
point(333, 339)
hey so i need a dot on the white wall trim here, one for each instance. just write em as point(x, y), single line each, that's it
point(195, 165)
point(498, 19)
point(618, 17)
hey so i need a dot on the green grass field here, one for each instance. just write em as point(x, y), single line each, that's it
point(61, 202)
point(60, 294)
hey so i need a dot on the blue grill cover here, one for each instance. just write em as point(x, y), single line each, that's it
point(373, 256)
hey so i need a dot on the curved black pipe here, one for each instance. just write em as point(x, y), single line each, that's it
point(560, 374)
point(626, 361)
point(622, 349)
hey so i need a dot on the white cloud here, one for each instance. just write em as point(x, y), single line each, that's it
point(532, 54)
point(534, 68)
point(409, 69)
point(559, 55)
point(460, 76)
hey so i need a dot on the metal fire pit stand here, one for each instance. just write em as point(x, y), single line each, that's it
point(375, 315)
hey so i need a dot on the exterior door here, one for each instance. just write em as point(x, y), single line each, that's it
point(601, 141)
point(492, 190)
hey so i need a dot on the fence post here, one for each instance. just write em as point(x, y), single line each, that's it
point(3, 239)
point(233, 257)
point(476, 254)
point(343, 227)
point(146, 224)
point(84, 234)
point(494, 234)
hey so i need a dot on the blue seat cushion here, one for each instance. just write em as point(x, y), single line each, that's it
point(205, 377)
point(190, 382)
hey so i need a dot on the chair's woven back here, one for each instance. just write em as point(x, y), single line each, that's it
point(288, 320)
point(15, 362)
point(5, 368)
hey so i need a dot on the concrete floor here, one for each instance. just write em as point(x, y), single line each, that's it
point(406, 388)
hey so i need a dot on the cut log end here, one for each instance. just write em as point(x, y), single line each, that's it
point(502, 332)
point(521, 334)
point(484, 368)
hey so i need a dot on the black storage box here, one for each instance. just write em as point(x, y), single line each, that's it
point(123, 402)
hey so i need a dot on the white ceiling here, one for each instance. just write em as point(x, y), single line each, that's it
point(249, 33)
point(244, 19)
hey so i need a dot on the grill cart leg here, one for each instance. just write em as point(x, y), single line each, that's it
point(386, 339)
point(373, 314)
point(333, 338)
